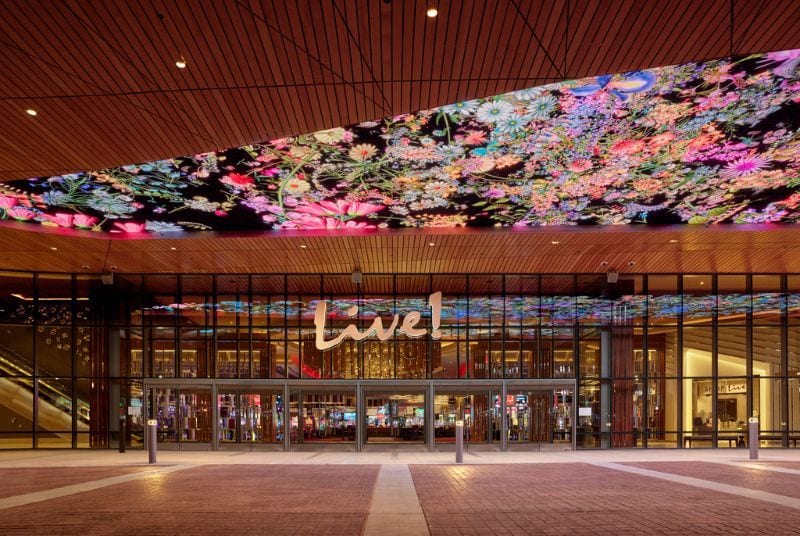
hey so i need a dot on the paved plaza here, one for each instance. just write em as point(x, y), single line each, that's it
point(400, 492)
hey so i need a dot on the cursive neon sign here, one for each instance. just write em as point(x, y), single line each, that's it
point(408, 327)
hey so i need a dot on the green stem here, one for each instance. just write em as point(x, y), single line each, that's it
point(290, 176)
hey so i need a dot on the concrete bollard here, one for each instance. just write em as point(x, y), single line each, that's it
point(459, 441)
point(152, 440)
point(753, 425)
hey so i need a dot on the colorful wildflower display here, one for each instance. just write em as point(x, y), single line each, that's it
point(707, 142)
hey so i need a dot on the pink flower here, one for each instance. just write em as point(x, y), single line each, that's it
point(238, 181)
point(661, 139)
point(271, 172)
point(305, 221)
point(745, 166)
point(627, 147)
point(340, 208)
point(495, 193)
point(61, 219)
point(128, 227)
point(7, 202)
point(581, 164)
point(83, 221)
point(21, 213)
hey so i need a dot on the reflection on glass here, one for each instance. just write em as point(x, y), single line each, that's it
point(394, 418)
point(539, 416)
point(471, 408)
point(246, 417)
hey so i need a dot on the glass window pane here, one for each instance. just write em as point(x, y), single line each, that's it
point(54, 413)
point(697, 356)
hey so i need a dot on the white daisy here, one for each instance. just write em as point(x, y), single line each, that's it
point(494, 111)
point(514, 124)
point(460, 108)
point(542, 107)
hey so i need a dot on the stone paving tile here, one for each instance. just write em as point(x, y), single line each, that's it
point(760, 479)
point(784, 464)
point(229, 499)
point(556, 499)
point(16, 481)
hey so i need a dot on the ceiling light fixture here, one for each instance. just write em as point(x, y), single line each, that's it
point(31, 111)
point(555, 242)
point(432, 12)
point(180, 64)
point(632, 263)
point(431, 244)
point(54, 248)
point(303, 246)
point(173, 248)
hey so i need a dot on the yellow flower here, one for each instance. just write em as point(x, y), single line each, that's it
point(362, 151)
point(297, 186)
point(332, 135)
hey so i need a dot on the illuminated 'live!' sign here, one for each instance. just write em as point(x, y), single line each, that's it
point(408, 327)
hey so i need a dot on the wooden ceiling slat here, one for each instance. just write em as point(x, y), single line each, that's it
point(103, 77)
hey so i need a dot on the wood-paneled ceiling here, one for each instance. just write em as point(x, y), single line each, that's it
point(102, 75)
point(625, 249)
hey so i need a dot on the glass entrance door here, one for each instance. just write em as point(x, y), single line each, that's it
point(395, 418)
point(250, 417)
point(539, 416)
point(471, 408)
point(183, 415)
point(323, 417)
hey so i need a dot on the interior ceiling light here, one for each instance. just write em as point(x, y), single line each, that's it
point(303, 246)
point(180, 64)
point(432, 12)
point(54, 248)
point(555, 242)
point(673, 241)
point(431, 244)
point(173, 248)
point(30, 111)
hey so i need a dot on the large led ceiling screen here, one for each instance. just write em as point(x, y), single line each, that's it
point(707, 142)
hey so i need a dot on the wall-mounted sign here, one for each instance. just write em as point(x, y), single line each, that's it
point(408, 326)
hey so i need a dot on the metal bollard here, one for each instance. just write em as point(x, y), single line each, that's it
point(152, 428)
point(753, 425)
point(459, 441)
point(122, 435)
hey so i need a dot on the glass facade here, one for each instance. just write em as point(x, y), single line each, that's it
point(660, 360)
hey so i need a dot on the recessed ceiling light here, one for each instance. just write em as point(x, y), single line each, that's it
point(54, 248)
point(432, 12)
point(632, 263)
point(85, 266)
point(114, 268)
point(30, 111)
point(673, 241)
point(555, 242)
point(180, 64)
point(173, 248)
point(303, 246)
point(702, 282)
point(604, 263)
point(431, 243)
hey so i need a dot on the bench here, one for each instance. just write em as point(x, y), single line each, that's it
point(778, 437)
point(732, 440)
